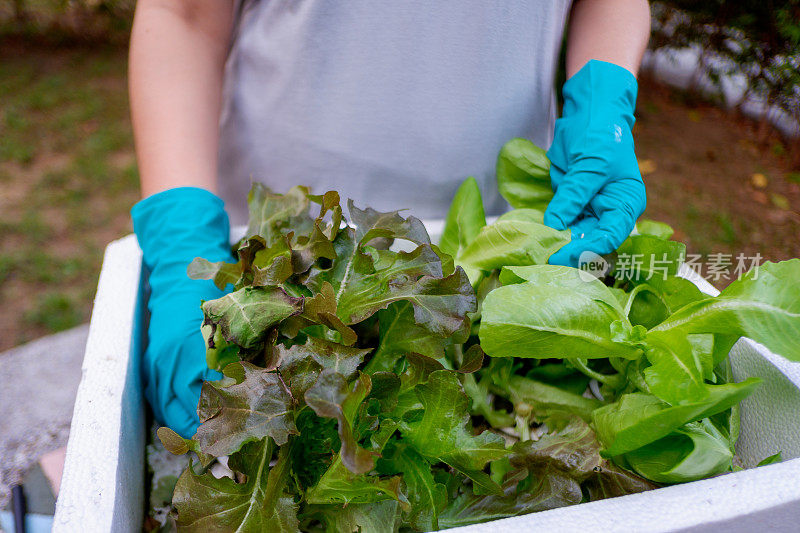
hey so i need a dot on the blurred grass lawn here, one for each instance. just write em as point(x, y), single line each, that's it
point(68, 179)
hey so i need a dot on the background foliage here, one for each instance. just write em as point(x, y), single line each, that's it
point(756, 38)
point(67, 21)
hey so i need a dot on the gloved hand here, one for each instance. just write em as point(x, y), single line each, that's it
point(174, 227)
point(598, 189)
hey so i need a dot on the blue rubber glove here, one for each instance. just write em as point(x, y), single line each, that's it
point(599, 192)
point(174, 227)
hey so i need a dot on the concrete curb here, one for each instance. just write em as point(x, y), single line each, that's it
point(40, 380)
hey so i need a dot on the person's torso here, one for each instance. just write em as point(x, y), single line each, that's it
point(392, 104)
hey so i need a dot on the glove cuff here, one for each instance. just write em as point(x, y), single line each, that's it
point(600, 85)
point(177, 225)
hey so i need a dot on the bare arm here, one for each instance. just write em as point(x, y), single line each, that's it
point(615, 31)
point(177, 56)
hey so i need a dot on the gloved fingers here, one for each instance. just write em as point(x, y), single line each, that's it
point(578, 232)
point(174, 363)
point(564, 256)
point(628, 191)
point(618, 206)
point(557, 154)
point(614, 225)
point(178, 419)
point(572, 196)
point(584, 226)
point(570, 254)
point(189, 387)
point(191, 372)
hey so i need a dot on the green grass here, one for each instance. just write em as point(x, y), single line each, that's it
point(726, 232)
point(66, 153)
point(55, 312)
point(7, 264)
point(710, 229)
point(33, 227)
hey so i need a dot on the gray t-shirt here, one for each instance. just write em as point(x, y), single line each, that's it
point(391, 103)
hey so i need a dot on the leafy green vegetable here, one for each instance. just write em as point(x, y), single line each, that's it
point(649, 259)
point(771, 460)
point(650, 341)
point(548, 320)
point(257, 407)
point(464, 219)
point(654, 228)
point(245, 316)
point(517, 238)
point(551, 472)
point(546, 399)
point(638, 418)
point(206, 503)
point(337, 352)
point(762, 305)
point(463, 223)
point(441, 431)
point(523, 175)
point(692, 451)
point(373, 390)
point(427, 498)
point(399, 335)
point(332, 397)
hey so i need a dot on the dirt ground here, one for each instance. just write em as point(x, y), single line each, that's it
point(68, 179)
point(709, 174)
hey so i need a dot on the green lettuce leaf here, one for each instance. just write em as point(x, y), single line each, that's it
point(321, 309)
point(221, 272)
point(259, 405)
point(544, 321)
point(645, 258)
point(366, 282)
point(442, 431)
point(426, 497)
point(332, 397)
point(679, 367)
point(654, 228)
point(207, 503)
point(339, 358)
point(399, 335)
point(245, 316)
point(371, 224)
point(545, 474)
point(377, 517)
point(517, 238)
point(763, 305)
point(637, 419)
point(694, 451)
point(464, 221)
point(273, 215)
point(523, 175)
point(545, 399)
point(340, 485)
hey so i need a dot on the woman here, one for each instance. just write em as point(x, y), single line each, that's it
point(391, 103)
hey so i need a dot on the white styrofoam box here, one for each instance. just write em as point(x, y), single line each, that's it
point(103, 485)
point(102, 488)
